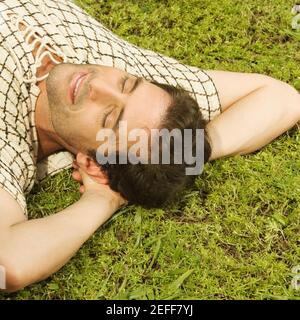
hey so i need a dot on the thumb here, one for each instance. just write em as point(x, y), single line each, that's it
point(86, 179)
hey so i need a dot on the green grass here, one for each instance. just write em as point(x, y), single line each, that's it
point(236, 233)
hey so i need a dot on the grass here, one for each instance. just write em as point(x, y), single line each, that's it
point(236, 233)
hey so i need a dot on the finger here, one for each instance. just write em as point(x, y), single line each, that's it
point(77, 176)
point(75, 165)
point(81, 189)
point(86, 179)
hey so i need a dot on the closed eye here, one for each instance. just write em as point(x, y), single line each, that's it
point(113, 117)
point(124, 79)
point(136, 83)
point(106, 114)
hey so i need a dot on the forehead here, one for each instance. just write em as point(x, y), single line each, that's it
point(146, 106)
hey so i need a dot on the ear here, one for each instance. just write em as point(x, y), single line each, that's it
point(89, 165)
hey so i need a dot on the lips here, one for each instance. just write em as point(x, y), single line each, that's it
point(76, 85)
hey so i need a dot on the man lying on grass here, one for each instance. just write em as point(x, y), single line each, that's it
point(63, 78)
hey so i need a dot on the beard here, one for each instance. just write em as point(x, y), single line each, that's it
point(60, 106)
point(56, 87)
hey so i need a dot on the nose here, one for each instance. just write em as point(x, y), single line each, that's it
point(101, 90)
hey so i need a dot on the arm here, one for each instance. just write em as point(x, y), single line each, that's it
point(255, 110)
point(32, 250)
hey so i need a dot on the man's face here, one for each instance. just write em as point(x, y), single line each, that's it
point(85, 98)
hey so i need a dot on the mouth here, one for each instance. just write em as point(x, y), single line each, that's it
point(76, 84)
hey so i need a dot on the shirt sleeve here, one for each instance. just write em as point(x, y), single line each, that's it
point(16, 153)
point(10, 178)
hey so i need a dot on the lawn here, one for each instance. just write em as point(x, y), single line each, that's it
point(236, 233)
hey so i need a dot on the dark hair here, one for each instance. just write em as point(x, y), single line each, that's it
point(152, 185)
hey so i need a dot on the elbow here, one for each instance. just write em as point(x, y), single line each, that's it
point(290, 96)
point(296, 97)
point(15, 281)
point(292, 102)
point(12, 278)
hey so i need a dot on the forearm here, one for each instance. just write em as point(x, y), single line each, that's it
point(38, 248)
point(254, 121)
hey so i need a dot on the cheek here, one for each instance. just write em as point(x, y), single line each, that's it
point(87, 126)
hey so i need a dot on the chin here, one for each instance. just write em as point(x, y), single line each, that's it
point(57, 83)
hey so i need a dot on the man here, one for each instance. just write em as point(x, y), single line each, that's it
point(48, 106)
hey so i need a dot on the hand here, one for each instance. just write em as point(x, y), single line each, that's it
point(89, 184)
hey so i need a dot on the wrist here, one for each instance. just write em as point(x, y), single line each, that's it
point(102, 199)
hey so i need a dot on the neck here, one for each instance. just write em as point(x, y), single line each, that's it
point(47, 143)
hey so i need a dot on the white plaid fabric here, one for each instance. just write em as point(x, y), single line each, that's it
point(76, 38)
